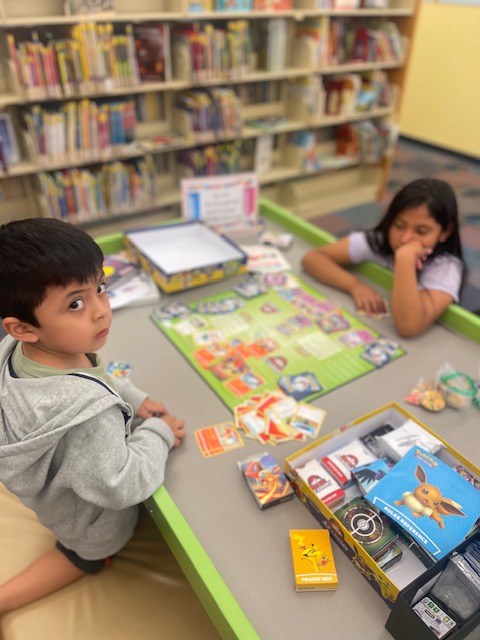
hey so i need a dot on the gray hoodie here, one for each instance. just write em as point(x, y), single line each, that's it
point(68, 452)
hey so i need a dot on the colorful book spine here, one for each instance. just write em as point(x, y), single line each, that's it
point(83, 195)
point(84, 130)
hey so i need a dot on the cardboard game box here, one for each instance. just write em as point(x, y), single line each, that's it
point(388, 583)
point(313, 563)
point(182, 256)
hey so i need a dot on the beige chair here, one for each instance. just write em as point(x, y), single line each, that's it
point(143, 595)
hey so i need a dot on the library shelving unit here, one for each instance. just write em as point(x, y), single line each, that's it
point(306, 94)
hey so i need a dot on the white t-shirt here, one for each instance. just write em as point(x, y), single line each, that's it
point(444, 273)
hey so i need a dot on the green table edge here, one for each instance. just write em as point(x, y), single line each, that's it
point(221, 606)
point(217, 599)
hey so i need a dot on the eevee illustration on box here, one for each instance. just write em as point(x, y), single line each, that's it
point(427, 500)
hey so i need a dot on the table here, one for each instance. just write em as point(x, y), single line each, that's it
point(236, 556)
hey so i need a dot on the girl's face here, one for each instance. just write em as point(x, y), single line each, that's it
point(416, 224)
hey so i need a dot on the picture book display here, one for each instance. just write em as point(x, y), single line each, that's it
point(313, 562)
point(265, 479)
point(152, 46)
point(278, 333)
point(435, 505)
point(225, 203)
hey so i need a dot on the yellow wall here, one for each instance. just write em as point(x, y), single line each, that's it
point(441, 101)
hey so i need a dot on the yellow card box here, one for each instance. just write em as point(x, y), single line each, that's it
point(183, 256)
point(313, 562)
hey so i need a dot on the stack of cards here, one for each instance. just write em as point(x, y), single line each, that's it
point(368, 475)
point(265, 479)
point(313, 562)
point(274, 417)
point(398, 442)
point(458, 588)
point(341, 461)
point(384, 311)
point(321, 483)
point(380, 352)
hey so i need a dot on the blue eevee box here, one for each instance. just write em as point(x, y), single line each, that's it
point(422, 494)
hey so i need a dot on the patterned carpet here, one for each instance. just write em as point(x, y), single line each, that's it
point(414, 160)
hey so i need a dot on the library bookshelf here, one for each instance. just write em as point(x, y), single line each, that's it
point(305, 92)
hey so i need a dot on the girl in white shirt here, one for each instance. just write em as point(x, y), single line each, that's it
point(418, 238)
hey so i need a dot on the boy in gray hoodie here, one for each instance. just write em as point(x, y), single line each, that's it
point(79, 448)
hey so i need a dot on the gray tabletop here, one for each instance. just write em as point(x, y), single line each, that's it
point(249, 547)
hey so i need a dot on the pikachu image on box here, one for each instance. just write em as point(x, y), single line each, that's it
point(427, 500)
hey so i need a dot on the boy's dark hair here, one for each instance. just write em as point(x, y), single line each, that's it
point(38, 253)
point(440, 199)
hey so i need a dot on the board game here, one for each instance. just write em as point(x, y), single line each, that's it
point(273, 332)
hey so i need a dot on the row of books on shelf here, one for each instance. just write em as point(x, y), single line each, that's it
point(211, 160)
point(107, 7)
point(311, 98)
point(324, 41)
point(212, 52)
point(366, 142)
point(90, 129)
point(98, 130)
point(371, 141)
point(94, 57)
point(90, 57)
point(79, 130)
point(354, 93)
point(210, 112)
point(83, 195)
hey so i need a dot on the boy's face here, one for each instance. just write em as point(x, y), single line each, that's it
point(73, 320)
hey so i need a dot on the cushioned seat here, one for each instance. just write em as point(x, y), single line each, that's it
point(143, 595)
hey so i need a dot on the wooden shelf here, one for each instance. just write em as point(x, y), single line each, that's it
point(159, 16)
point(305, 192)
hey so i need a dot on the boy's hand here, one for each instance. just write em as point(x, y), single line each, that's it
point(367, 299)
point(149, 408)
point(177, 426)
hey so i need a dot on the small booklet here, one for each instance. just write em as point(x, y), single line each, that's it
point(118, 269)
point(429, 499)
point(265, 259)
point(138, 290)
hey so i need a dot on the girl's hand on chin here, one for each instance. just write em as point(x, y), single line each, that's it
point(416, 251)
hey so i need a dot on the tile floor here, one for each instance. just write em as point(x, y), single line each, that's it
point(414, 160)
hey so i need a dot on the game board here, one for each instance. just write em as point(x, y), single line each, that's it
point(273, 332)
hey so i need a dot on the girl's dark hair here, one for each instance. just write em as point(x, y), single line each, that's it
point(440, 199)
point(39, 253)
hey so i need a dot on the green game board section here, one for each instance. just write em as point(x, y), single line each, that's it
point(306, 349)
